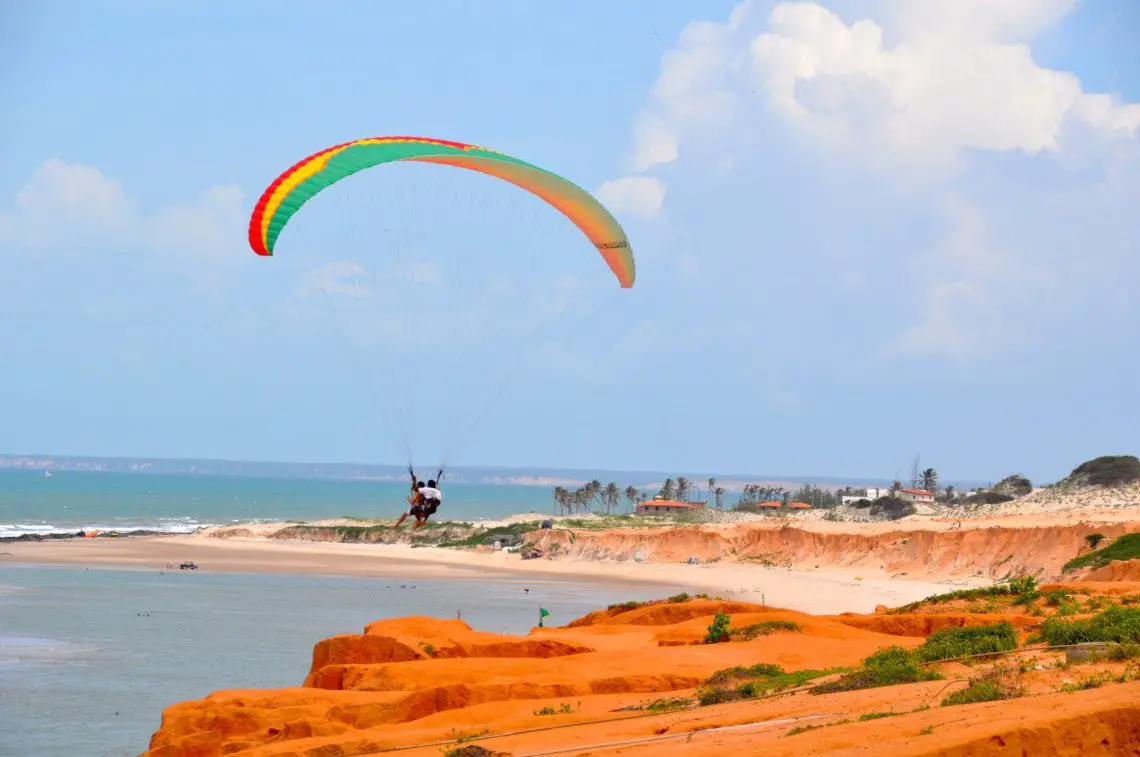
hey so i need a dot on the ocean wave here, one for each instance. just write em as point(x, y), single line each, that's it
point(163, 525)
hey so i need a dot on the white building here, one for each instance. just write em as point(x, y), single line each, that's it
point(917, 495)
point(871, 494)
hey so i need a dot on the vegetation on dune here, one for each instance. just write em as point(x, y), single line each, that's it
point(1026, 586)
point(1126, 547)
point(1108, 470)
point(754, 681)
point(1016, 485)
point(1119, 624)
point(764, 628)
point(510, 535)
point(951, 643)
point(891, 507)
point(990, 687)
point(887, 667)
point(718, 629)
point(675, 599)
point(988, 497)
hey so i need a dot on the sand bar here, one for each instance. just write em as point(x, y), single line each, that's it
point(817, 591)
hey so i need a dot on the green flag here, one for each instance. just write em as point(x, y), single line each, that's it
point(542, 613)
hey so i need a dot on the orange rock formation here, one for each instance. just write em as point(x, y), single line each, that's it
point(431, 687)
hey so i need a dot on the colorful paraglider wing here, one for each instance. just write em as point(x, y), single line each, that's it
point(292, 189)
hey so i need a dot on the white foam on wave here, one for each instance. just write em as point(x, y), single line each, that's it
point(163, 525)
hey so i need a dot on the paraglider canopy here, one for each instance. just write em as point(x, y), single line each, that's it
point(303, 180)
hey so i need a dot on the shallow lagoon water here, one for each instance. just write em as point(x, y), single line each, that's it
point(89, 658)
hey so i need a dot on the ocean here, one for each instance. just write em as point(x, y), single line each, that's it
point(89, 657)
point(70, 501)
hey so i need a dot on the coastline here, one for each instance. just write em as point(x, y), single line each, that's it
point(821, 591)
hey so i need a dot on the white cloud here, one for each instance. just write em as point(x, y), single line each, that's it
point(640, 196)
point(72, 205)
point(949, 85)
point(912, 92)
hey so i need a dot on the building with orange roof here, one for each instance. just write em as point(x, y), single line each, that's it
point(668, 507)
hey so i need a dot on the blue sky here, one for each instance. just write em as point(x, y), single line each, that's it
point(864, 229)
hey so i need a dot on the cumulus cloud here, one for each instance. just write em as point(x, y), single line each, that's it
point(917, 92)
point(640, 196)
point(950, 84)
point(72, 205)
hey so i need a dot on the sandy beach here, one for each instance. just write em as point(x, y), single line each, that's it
point(817, 591)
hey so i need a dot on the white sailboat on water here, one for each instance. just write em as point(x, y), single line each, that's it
point(48, 474)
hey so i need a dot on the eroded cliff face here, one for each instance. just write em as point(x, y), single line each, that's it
point(992, 552)
point(603, 686)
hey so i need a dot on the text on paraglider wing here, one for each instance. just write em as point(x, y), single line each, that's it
point(611, 245)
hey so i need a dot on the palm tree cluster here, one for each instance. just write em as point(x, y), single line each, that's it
point(607, 497)
point(756, 493)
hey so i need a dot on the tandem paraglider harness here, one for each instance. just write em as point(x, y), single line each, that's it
point(427, 505)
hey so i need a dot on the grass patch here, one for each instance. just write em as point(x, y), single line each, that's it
point(876, 715)
point(1127, 547)
point(667, 704)
point(887, 667)
point(563, 709)
point(755, 681)
point(766, 628)
point(1119, 624)
point(511, 534)
point(1026, 585)
point(806, 728)
point(948, 643)
point(980, 690)
point(759, 670)
point(1086, 683)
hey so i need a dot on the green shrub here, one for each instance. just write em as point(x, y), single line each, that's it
point(1119, 624)
point(887, 667)
point(718, 629)
point(892, 508)
point(1057, 597)
point(1016, 484)
point(988, 498)
point(948, 643)
point(876, 715)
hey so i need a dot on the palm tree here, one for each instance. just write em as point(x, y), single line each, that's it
point(684, 487)
point(668, 489)
point(930, 480)
point(719, 493)
point(561, 497)
point(593, 490)
point(631, 496)
point(612, 494)
point(712, 486)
